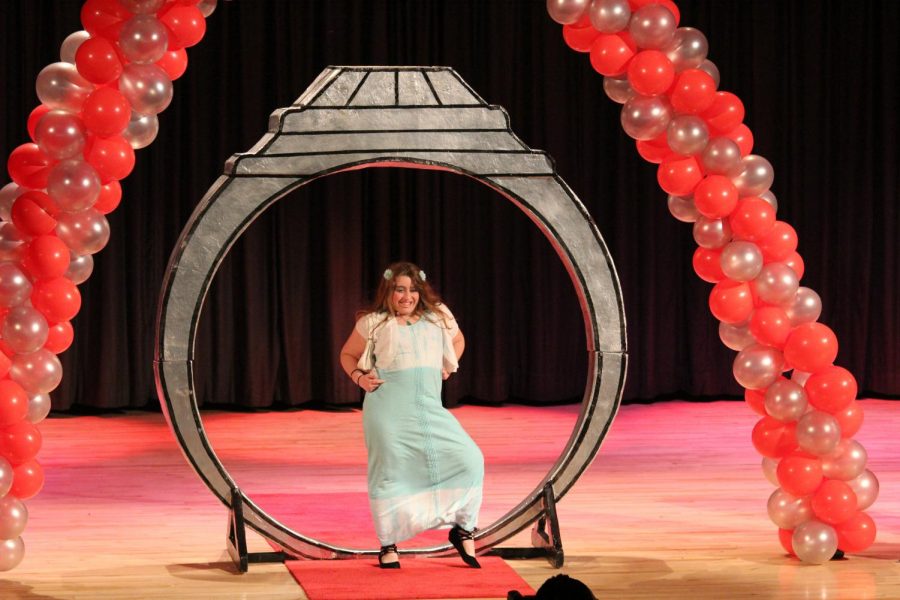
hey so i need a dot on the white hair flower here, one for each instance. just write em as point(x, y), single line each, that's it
point(422, 275)
point(388, 274)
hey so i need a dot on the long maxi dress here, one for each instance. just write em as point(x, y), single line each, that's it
point(424, 470)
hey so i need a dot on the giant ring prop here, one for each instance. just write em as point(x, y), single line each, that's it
point(413, 117)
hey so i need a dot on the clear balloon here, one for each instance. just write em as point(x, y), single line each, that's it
point(769, 197)
point(818, 433)
point(143, 39)
point(741, 261)
point(38, 372)
point(618, 89)
point(10, 243)
point(721, 156)
point(687, 49)
point(8, 195)
point(207, 7)
point(776, 283)
point(141, 130)
point(683, 209)
point(38, 407)
point(60, 86)
point(814, 542)
point(756, 176)
point(846, 461)
point(866, 488)
point(770, 470)
point(788, 511)
point(806, 307)
point(146, 87)
point(652, 26)
point(712, 233)
point(11, 553)
point(786, 401)
point(646, 117)
point(24, 329)
point(6, 476)
point(80, 268)
point(13, 517)
point(85, 232)
point(60, 134)
point(73, 185)
point(687, 135)
point(142, 7)
point(15, 287)
point(757, 366)
point(609, 16)
point(70, 46)
point(711, 69)
point(736, 336)
point(800, 377)
point(566, 11)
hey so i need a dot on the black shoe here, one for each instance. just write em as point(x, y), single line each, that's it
point(838, 554)
point(457, 535)
point(387, 550)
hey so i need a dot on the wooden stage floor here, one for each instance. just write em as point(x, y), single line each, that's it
point(674, 506)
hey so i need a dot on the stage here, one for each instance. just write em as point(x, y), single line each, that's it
point(674, 506)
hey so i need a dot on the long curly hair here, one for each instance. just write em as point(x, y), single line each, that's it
point(429, 299)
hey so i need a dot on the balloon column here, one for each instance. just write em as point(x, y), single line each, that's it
point(98, 105)
point(695, 133)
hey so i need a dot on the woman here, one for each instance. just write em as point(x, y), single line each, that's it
point(425, 472)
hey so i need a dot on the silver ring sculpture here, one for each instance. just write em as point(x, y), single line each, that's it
point(415, 117)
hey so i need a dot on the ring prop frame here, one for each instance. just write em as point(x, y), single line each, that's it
point(412, 117)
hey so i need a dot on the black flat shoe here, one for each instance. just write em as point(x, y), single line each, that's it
point(456, 537)
point(387, 550)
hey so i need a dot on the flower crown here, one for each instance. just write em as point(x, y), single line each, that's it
point(388, 275)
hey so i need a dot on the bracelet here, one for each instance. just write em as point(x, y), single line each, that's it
point(361, 373)
point(355, 370)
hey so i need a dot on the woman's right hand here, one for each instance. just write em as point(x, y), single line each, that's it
point(370, 381)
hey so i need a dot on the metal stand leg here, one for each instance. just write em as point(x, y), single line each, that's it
point(236, 540)
point(545, 543)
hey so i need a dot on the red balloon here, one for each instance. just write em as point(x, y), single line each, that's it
point(795, 261)
point(186, 25)
point(715, 196)
point(47, 257)
point(752, 218)
point(109, 198)
point(743, 137)
point(5, 363)
point(811, 347)
point(834, 502)
point(103, 18)
point(13, 402)
point(786, 537)
point(770, 325)
point(650, 73)
point(773, 438)
point(28, 479)
point(850, 419)
point(112, 158)
point(724, 114)
point(59, 337)
point(856, 533)
point(693, 92)
point(34, 117)
point(679, 175)
point(800, 473)
point(19, 442)
point(57, 299)
point(29, 166)
point(98, 61)
point(33, 213)
point(779, 243)
point(707, 264)
point(174, 62)
point(730, 301)
point(831, 389)
point(756, 400)
point(655, 150)
point(578, 38)
point(106, 112)
point(610, 54)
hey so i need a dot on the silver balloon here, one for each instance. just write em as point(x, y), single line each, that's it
point(10, 243)
point(39, 406)
point(799, 377)
point(6, 476)
point(24, 330)
point(788, 511)
point(80, 268)
point(687, 49)
point(70, 46)
point(15, 288)
point(13, 517)
point(652, 26)
point(85, 232)
point(814, 542)
point(818, 433)
point(687, 135)
point(805, 308)
point(146, 87)
point(866, 488)
point(756, 176)
point(142, 7)
point(566, 12)
point(60, 134)
point(618, 89)
point(846, 461)
point(769, 197)
point(8, 195)
point(736, 336)
point(770, 470)
point(60, 86)
point(776, 283)
point(38, 372)
point(711, 233)
point(143, 39)
point(721, 156)
point(786, 401)
point(11, 553)
point(74, 185)
point(741, 261)
point(207, 7)
point(683, 209)
point(710, 68)
point(141, 130)
point(609, 16)
point(646, 117)
point(756, 367)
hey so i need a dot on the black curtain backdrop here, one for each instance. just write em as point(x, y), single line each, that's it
point(819, 80)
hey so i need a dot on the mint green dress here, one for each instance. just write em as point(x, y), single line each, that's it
point(424, 470)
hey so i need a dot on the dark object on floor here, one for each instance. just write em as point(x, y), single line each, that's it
point(558, 587)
